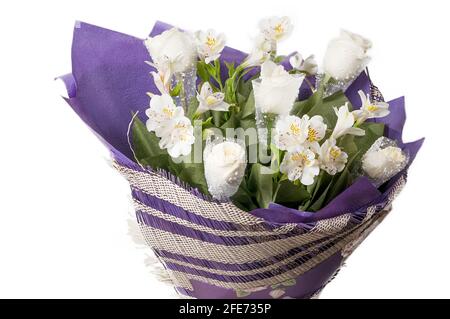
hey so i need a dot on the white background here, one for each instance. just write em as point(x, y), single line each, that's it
point(63, 210)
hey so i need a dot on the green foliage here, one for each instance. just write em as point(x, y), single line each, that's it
point(262, 184)
point(290, 194)
point(146, 147)
point(148, 153)
point(324, 107)
point(176, 90)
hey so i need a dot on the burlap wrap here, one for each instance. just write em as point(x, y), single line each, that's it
point(199, 239)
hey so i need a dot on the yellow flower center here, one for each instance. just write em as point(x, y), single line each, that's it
point(312, 135)
point(210, 42)
point(301, 157)
point(335, 152)
point(372, 108)
point(180, 125)
point(211, 100)
point(278, 29)
point(295, 129)
point(167, 111)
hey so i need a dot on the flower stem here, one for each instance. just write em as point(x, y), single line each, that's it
point(273, 50)
point(275, 194)
point(183, 101)
point(269, 118)
point(313, 89)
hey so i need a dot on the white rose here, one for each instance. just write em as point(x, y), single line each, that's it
point(175, 46)
point(224, 168)
point(276, 90)
point(384, 163)
point(346, 55)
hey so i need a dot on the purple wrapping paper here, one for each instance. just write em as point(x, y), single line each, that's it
point(109, 81)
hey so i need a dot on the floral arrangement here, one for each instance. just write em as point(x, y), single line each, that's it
point(262, 142)
point(252, 175)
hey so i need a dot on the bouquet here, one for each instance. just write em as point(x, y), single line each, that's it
point(252, 175)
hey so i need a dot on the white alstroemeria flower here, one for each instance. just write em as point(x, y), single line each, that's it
point(382, 164)
point(260, 52)
point(174, 47)
point(346, 55)
point(209, 45)
point(332, 159)
point(178, 138)
point(308, 65)
point(276, 28)
point(370, 110)
point(290, 132)
point(208, 100)
point(276, 90)
point(162, 81)
point(345, 122)
point(316, 131)
point(162, 110)
point(300, 164)
point(224, 168)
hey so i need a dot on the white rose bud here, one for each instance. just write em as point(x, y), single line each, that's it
point(276, 91)
point(346, 55)
point(225, 164)
point(175, 46)
point(383, 160)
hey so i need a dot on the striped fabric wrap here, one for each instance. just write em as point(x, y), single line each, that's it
point(217, 246)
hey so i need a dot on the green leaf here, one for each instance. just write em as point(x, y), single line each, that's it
point(202, 71)
point(148, 153)
point(230, 67)
point(340, 181)
point(279, 58)
point(207, 123)
point(260, 182)
point(244, 90)
point(338, 185)
point(217, 118)
point(325, 108)
point(146, 147)
point(217, 67)
point(243, 197)
point(192, 108)
point(248, 109)
point(303, 107)
point(232, 122)
point(176, 90)
point(291, 195)
point(318, 204)
point(353, 145)
point(190, 172)
point(211, 69)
